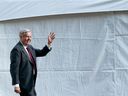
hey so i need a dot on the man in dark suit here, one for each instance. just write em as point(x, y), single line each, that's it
point(23, 67)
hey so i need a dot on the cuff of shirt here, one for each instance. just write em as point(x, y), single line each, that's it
point(49, 46)
point(16, 85)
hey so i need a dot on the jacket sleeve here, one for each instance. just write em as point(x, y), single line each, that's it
point(15, 59)
point(43, 51)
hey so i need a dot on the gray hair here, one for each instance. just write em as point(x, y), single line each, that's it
point(24, 31)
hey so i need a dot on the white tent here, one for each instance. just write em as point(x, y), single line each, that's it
point(89, 55)
point(14, 9)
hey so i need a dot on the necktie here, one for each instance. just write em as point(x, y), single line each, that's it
point(31, 57)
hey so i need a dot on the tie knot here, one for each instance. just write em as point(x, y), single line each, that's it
point(27, 48)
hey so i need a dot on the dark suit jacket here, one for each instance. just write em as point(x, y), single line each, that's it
point(21, 68)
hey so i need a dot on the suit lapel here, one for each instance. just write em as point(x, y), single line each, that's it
point(24, 51)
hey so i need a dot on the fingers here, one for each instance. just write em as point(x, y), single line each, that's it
point(17, 90)
point(52, 35)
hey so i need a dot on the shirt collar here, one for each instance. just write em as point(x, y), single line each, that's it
point(23, 45)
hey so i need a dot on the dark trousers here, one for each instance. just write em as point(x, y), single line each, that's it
point(25, 93)
point(32, 92)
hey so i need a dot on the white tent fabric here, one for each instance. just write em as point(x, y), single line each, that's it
point(15, 9)
point(89, 55)
point(88, 59)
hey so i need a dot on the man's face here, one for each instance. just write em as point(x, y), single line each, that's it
point(26, 38)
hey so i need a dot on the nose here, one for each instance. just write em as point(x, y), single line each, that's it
point(29, 37)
